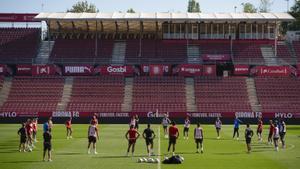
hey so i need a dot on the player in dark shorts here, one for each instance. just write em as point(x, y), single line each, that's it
point(276, 136)
point(149, 136)
point(282, 132)
point(248, 137)
point(35, 128)
point(131, 135)
point(173, 136)
point(23, 138)
point(93, 135)
point(218, 125)
point(186, 128)
point(198, 136)
point(69, 128)
point(29, 132)
point(137, 122)
point(271, 131)
point(47, 145)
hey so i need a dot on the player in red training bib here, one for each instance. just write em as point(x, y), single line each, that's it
point(259, 129)
point(69, 128)
point(132, 135)
point(34, 128)
point(29, 132)
point(173, 136)
point(271, 131)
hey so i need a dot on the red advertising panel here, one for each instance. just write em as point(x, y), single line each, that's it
point(117, 70)
point(241, 69)
point(189, 70)
point(41, 70)
point(20, 17)
point(298, 70)
point(273, 71)
point(216, 57)
point(209, 70)
point(2, 69)
point(78, 70)
point(24, 70)
point(76, 114)
point(156, 70)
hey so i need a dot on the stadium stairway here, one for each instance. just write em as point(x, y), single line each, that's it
point(67, 91)
point(4, 92)
point(268, 54)
point(293, 60)
point(251, 90)
point(193, 53)
point(44, 52)
point(119, 52)
point(127, 103)
point(190, 95)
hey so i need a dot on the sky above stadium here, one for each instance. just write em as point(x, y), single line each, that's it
point(35, 6)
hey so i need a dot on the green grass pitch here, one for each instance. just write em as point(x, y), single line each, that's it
point(225, 153)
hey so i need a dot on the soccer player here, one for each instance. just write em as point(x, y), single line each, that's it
point(271, 131)
point(259, 129)
point(29, 131)
point(131, 135)
point(34, 127)
point(198, 136)
point(50, 124)
point(69, 128)
point(236, 128)
point(23, 138)
point(149, 136)
point(282, 132)
point(186, 128)
point(218, 125)
point(47, 145)
point(94, 121)
point(165, 123)
point(276, 136)
point(93, 135)
point(248, 137)
point(132, 122)
point(137, 120)
point(173, 136)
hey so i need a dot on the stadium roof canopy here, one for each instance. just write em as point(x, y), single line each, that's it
point(165, 16)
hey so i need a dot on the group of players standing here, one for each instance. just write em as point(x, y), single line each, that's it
point(28, 133)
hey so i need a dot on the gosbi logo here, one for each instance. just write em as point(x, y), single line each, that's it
point(111, 69)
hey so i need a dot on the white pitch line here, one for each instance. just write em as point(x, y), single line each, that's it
point(158, 148)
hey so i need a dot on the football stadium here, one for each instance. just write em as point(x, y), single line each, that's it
point(176, 84)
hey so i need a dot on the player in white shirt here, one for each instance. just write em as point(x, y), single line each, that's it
point(92, 137)
point(165, 123)
point(276, 136)
point(218, 125)
point(186, 128)
point(132, 121)
point(198, 136)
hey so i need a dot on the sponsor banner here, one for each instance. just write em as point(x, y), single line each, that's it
point(209, 70)
point(24, 70)
point(272, 71)
point(189, 70)
point(2, 69)
point(76, 114)
point(145, 69)
point(216, 57)
point(78, 70)
point(41, 70)
point(241, 69)
point(117, 70)
point(21, 17)
point(156, 70)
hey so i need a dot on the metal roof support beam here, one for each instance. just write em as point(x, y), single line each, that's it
point(59, 26)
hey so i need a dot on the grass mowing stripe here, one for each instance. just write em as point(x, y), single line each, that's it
point(158, 148)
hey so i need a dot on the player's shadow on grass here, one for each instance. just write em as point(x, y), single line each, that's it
point(218, 139)
point(230, 153)
point(8, 151)
point(112, 157)
point(69, 153)
point(186, 153)
point(19, 162)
